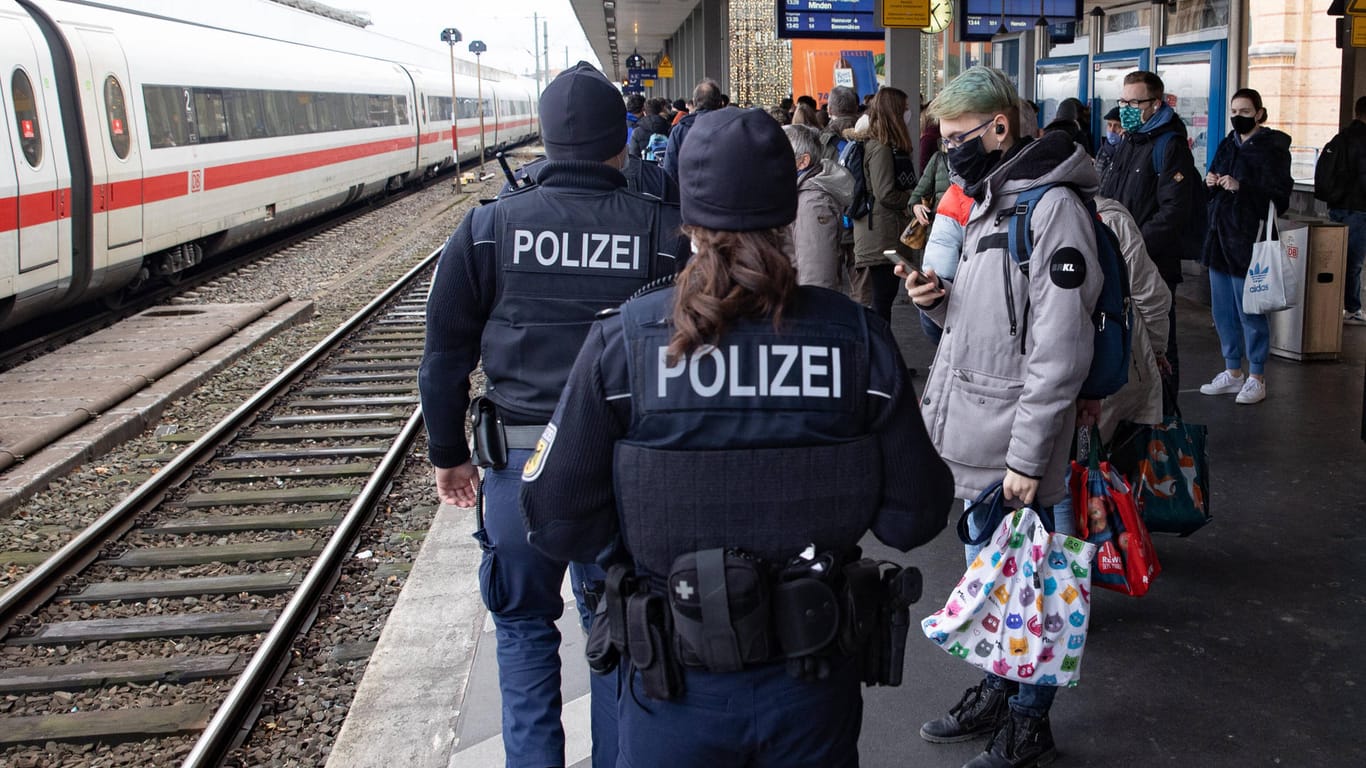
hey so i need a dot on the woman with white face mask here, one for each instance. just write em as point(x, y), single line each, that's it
point(1251, 169)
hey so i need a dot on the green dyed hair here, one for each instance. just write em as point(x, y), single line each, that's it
point(980, 90)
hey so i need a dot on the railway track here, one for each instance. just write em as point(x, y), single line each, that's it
point(174, 612)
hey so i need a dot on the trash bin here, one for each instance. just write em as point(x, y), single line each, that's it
point(1312, 330)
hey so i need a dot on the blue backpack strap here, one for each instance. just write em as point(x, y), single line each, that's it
point(1020, 241)
point(1160, 151)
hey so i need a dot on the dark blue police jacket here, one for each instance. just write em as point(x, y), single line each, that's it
point(768, 441)
point(518, 286)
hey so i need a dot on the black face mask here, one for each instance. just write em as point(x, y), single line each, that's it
point(1243, 124)
point(972, 161)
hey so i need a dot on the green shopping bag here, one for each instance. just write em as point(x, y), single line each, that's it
point(1168, 467)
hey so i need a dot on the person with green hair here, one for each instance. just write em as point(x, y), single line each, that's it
point(1001, 400)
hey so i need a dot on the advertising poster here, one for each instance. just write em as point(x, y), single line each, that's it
point(815, 64)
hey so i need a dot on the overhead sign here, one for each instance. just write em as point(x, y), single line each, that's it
point(1359, 31)
point(1356, 7)
point(638, 75)
point(666, 67)
point(842, 19)
point(905, 14)
point(980, 20)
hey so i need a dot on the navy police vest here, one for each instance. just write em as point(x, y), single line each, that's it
point(564, 254)
point(760, 443)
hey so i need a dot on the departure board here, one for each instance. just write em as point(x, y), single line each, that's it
point(979, 20)
point(846, 19)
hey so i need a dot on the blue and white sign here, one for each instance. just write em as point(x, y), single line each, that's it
point(850, 19)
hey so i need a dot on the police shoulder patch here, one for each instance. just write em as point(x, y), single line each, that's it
point(1067, 269)
point(532, 469)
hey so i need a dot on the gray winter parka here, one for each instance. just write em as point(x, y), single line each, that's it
point(823, 192)
point(1003, 388)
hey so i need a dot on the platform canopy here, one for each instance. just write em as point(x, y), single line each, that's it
point(616, 28)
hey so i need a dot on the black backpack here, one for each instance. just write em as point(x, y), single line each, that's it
point(861, 204)
point(903, 166)
point(1113, 317)
point(1333, 173)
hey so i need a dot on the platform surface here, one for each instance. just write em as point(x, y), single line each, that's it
point(1243, 654)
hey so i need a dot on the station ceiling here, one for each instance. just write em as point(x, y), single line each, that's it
point(644, 25)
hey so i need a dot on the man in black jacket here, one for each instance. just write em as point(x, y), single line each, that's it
point(1352, 212)
point(705, 97)
point(1154, 176)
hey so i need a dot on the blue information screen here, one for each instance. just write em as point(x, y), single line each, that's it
point(980, 19)
point(850, 19)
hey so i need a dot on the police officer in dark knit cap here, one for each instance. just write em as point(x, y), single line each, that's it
point(724, 444)
point(519, 284)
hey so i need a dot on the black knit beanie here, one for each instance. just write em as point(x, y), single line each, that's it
point(582, 116)
point(736, 172)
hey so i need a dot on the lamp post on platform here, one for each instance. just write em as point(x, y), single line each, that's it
point(450, 36)
point(477, 47)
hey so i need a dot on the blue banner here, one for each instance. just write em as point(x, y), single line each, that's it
point(855, 19)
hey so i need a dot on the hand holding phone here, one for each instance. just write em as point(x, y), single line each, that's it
point(924, 288)
point(897, 258)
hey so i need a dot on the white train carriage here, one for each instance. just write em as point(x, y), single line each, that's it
point(141, 144)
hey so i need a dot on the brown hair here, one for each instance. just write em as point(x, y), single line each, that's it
point(1150, 81)
point(1258, 111)
point(731, 275)
point(805, 114)
point(886, 123)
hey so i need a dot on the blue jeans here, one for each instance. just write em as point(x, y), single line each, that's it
point(521, 588)
point(1032, 700)
point(1356, 253)
point(1238, 331)
point(759, 718)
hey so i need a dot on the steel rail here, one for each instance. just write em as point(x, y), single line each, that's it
point(237, 714)
point(43, 581)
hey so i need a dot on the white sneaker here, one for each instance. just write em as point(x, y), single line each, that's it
point(1223, 384)
point(1354, 318)
point(1254, 391)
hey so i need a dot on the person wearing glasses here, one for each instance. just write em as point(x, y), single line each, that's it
point(1001, 399)
point(1153, 174)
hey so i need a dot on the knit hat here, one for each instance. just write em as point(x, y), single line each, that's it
point(736, 172)
point(583, 117)
point(1113, 114)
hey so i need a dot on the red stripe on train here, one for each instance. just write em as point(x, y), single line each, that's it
point(255, 170)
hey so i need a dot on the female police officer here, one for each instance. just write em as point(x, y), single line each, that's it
point(717, 430)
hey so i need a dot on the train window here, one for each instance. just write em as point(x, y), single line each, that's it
point(167, 107)
point(359, 110)
point(278, 120)
point(117, 115)
point(381, 111)
point(209, 116)
point(245, 110)
point(301, 112)
point(26, 118)
point(401, 109)
point(439, 107)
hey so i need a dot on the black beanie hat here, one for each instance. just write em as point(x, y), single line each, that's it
point(582, 116)
point(1113, 114)
point(737, 172)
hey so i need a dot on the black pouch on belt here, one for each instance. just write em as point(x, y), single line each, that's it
point(489, 447)
point(720, 605)
point(647, 632)
point(601, 654)
point(887, 652)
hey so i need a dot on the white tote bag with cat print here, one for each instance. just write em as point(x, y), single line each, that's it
point(1022, 608)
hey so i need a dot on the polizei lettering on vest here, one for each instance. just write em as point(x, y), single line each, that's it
point(780, 370)
point(577, 250)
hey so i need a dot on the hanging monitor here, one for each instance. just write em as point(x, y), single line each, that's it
point(840, 19)
point(980, 20)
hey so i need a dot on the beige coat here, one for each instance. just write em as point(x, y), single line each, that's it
point(1140, 400)
point(822, 195)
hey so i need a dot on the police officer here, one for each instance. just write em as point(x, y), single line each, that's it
point(738, 435)
point(518, 284)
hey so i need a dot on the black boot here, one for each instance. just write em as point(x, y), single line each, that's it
point(975, 714)
point(1020, 742)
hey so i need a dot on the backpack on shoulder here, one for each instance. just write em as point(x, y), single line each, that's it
point(654, 148)
point(1113, 316)
point(861, 204)
point(1333, 176)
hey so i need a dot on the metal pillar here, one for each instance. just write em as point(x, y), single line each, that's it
point(715, 39)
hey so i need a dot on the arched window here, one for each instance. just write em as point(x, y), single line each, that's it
point(26, 118)
point(117, 114)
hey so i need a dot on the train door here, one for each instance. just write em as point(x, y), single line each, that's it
point(9, 205)
point(122, 190)
point(40, 203)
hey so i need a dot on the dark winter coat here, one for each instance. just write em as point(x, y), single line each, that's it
point(645, 128)
point(1355, 135)
point(1170, 210)
point(1262, 167)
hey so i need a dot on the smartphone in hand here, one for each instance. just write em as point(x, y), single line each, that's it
point(895, 257)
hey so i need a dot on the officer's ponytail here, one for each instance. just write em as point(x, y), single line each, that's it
point(731, 275)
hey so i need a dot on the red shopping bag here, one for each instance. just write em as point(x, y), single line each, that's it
point(1108, 517)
